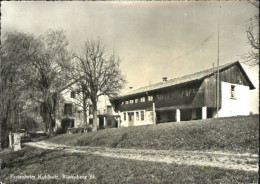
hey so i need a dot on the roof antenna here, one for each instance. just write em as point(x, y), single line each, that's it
point(218, 63)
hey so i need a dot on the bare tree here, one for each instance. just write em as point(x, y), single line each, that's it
point(252, 30)
point(73, 72)
point(100, 73)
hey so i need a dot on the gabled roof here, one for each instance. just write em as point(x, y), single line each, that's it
point(186, 79)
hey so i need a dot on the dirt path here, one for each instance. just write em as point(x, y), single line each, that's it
point(225, 160)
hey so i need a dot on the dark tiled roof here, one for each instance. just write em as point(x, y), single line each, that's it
point(180, 80)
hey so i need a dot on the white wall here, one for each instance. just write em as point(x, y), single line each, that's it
point(253, 74)
point(78, 117)
point(234, 106)
point(148, 118)
point(103, 101)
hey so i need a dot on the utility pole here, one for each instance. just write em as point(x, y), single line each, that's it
point(218, 64)
point(154, 113)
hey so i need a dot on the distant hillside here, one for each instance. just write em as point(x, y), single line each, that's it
point(239, 134)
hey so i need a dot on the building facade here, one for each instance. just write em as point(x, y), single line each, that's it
point(186, 98)
point(70, 112)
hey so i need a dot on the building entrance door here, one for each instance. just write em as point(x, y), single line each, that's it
point(66, 123)
point(101, 122)
point(131, 119)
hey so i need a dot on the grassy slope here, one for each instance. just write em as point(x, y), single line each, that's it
point(32, 161)
point(238, 134)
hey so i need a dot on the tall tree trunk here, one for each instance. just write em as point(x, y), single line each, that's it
point(4, 133)
point(94, 116)
point(46, 112)
point(85, 109)
point(6, 125)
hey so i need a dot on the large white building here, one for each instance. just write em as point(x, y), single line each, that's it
point(189, 97)
point(70, 112)
point(184, 98)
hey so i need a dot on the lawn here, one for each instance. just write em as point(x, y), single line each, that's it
point(33, 162)
point(237, 134)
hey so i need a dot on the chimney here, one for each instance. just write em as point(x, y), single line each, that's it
point(164, 79)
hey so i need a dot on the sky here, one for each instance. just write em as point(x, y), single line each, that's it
point(153, 39)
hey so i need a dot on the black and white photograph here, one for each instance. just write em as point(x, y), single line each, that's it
point(129, 92)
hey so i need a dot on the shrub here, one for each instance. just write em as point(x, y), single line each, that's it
point(60, 130)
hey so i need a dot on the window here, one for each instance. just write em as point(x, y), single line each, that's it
point(142, 115)
point(143, 99)
point(72, 94)
point(131, 101)
point(129, 117)
point(159, 96)
point(193, 92)
point(233, 92)
point(136, 100)
point(126, 102)
point(137, 116)
point(67, 109)
point(150, 98)
point(189, 92)
point(109, 109)
point(183, 92)
point(124, 116)
point(122, 103)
